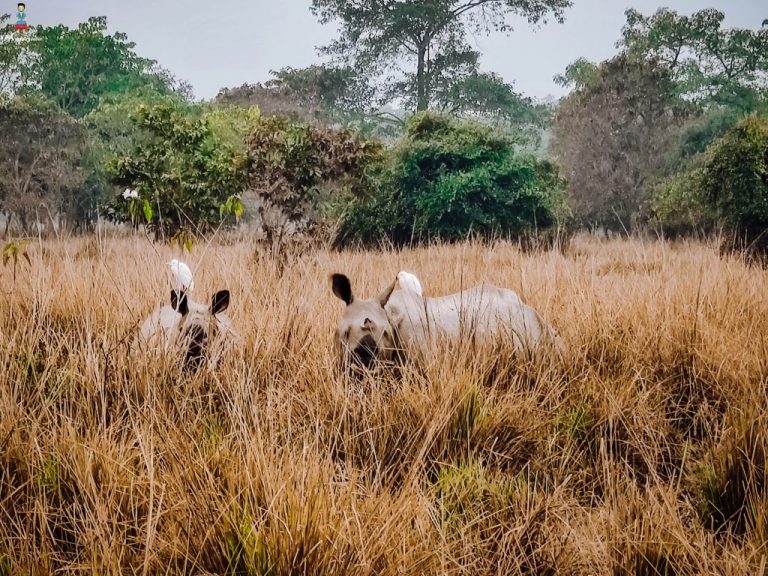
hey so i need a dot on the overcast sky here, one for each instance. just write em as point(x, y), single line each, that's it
point(226, 43)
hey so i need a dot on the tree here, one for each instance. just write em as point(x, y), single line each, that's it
point(111, 132)
point(579, 74)
point(270, 100)
point(709, 63)
point(288, 163)
point(319, 94)
point(449, 179)
point(486, 96)
point(428, 36)
point(40, 152)
point(183, 173)
point(15, 56)
point(340, 92)
point(77, 67)
point(734, 182)
point(611, 137)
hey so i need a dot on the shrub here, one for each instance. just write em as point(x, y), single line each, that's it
point(183, 172)
point(735, 184)
point(678, 207)
point(288, 161)
point(448, 179)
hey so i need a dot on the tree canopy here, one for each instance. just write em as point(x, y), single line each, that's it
point(40, 150)
point(419, 53)
point(76, 67)
point(710, 63)
point(611, 136)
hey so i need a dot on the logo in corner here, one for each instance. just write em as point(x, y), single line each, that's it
point(21, 17)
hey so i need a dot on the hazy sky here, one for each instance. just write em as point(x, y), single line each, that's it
point(226, 43)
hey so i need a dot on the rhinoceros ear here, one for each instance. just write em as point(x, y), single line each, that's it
point(383, 298)
point(342, 288)
point(220, 301)
point(179, 302)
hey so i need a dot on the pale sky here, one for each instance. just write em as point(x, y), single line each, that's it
point(226, 43)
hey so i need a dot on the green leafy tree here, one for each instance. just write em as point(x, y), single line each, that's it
point(111, 132)
point(485, 96)
point(734, 182)
point(339, 91)
point(320, 94)
point(76, 67)
point(579, 74)
point(182, 171)
point(415, 48)
point(40, 151)
point(448, 179)
point(709, 63)
point(612, 137)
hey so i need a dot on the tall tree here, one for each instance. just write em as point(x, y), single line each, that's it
point(710, 63)
point(339, 91)
point(414, 46)
point(40, 152)
point(76, 67)
point(611, 137)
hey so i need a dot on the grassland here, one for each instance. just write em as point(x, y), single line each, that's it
point(641, 452)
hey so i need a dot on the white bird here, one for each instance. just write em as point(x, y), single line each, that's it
point(182, 274)
point(409, 282)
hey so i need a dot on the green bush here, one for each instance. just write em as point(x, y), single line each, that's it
point(678, 207)
point(182, 170)
point(448, 179)
point(734, 183)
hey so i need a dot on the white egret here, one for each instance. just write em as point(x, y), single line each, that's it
point(182, 274)
point(409, 282)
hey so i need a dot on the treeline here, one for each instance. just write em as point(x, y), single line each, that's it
point(402, 139)
point(670, 134)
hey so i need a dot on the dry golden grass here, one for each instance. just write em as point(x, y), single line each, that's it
point(643, 452)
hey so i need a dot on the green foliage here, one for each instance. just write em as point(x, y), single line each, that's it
point(734, 182)
point(340, 92)
point(15, 56)
point(288, 161)
point(76, 67)
point(710, 64)
point(698, 134)
point(182, 171)
point(448, 179)
point(419, 51)
point(678, 207)
point(248, 553)
point(11, 253)
point(576, 422)
point(111, 132)
point(579, 74)
point(487, 96)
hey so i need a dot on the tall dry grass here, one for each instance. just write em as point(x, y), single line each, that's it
point(642, 452)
